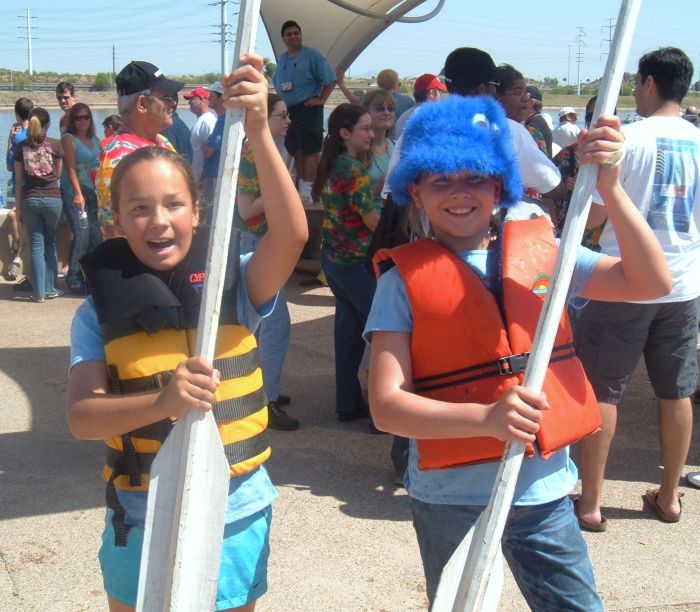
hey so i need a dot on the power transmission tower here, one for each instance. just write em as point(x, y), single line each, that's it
point(579, 58)
point(224, 33)
point(29, 27)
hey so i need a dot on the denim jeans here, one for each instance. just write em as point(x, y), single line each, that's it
point(41, 216)
point(84, 240)
point(272, 334)
point(353, 287)
point(542, 544)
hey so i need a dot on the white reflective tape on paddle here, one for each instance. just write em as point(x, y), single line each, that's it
point(189, 481)
point(471, 580)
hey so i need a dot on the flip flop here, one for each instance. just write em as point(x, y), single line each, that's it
point(591, 526)
point(650, 497)
point(693, 479)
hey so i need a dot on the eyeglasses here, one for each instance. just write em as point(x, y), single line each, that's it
point(383, 109)
point(63, 97)
point(82, 118)
point(283, 115)
point(367, 128)
point(165, 98)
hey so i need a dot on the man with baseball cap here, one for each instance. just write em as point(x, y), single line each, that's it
point(145, 102)
point(212, 147)
point(198, 99)
point(535, 119)
point(566, 132)
point(471, 72)
point(427, 88)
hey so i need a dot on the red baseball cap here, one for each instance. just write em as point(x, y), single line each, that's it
point(426, 82)
point(197, 92)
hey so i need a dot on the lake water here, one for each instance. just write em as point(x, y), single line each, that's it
point(7, 118)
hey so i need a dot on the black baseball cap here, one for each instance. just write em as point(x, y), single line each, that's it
point(534, 92)
point(469, 67)
point(139, 76)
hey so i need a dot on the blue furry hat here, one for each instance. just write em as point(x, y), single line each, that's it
point(456, 134)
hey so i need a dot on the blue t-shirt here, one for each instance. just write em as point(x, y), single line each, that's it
point(246, 494)
point(16, 139)
point(540, 481)
point(210, 168)
point(308, 73)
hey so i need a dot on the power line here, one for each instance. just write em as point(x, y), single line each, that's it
point(579, 58)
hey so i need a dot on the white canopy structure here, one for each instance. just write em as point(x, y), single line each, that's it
point(339, 29)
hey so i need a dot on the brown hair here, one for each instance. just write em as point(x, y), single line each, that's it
point(70, 121)
point(39, 121)
point(343, 116)
point(149, 154)
point(272, 99)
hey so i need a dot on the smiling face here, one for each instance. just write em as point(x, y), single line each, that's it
point(383, 113)
point(156, 213)
point(459, 206)
point(292, 38)
point(359, 138)
point(279, 119)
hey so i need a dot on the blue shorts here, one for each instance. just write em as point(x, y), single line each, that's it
point(242, 572)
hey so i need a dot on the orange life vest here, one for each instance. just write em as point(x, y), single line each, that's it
point(463, 351)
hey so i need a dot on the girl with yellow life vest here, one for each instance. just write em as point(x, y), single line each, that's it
point(451, 327)
point(132, 373)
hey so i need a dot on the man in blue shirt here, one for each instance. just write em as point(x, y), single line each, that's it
point(304, 80)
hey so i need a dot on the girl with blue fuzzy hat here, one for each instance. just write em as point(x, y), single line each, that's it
point(451, 327)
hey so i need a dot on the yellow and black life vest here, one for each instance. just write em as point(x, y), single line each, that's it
point(149, 327)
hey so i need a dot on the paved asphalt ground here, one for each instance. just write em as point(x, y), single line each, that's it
point(342, 537)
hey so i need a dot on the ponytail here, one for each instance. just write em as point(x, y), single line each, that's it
point(39, 121)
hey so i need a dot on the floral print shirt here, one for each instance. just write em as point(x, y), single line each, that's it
point(346, 198)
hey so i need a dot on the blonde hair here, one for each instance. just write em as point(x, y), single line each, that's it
point(388, 79)
point(39, 121)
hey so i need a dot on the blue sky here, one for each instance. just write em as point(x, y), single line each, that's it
point(178, 35)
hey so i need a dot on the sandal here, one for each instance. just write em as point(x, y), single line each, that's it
point(650, 497)
point(591, 526)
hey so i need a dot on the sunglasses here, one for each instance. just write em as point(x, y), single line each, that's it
point(165, 98)
point(383, 109)
point(82, 118)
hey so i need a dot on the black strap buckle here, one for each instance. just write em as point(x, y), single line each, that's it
point(162, 378)
point(512, 364)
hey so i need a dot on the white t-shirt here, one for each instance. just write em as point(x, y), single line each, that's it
point(537, 171)
point(201, 130)
point(661, 175)
point(565, 134)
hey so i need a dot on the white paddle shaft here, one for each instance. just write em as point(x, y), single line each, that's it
point(188, 491)
point(485, 540)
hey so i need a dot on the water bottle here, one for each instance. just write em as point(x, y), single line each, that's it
point(82, 219)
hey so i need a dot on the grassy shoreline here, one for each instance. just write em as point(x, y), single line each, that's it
point(108, 99)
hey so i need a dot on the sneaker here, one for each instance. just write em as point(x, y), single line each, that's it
point(15, 268)
point(54, 294)
point(38, 300)
point(283, 400)
point(279, 419)
point(23, 285)
point(350, 415)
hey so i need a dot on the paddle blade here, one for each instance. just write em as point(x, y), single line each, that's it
point(448, 596)
point(191, 559)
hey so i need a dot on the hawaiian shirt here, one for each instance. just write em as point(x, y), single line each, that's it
point(346, 198)
point(248, 183)
point(114, 149)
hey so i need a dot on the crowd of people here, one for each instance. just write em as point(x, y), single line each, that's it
point(427, 203)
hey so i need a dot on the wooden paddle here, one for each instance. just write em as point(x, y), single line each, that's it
point(466, 581)
point(189, 482)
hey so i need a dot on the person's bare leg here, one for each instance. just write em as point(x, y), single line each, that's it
point(592, 459)
point(675, 429)
point(118, 606)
